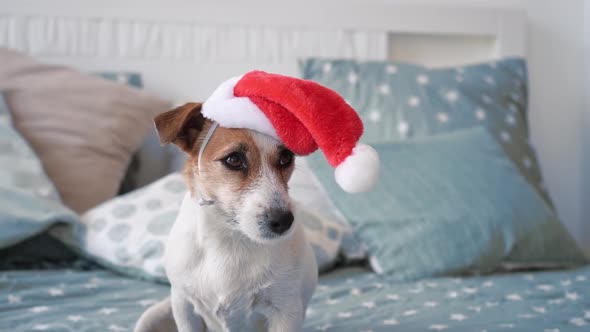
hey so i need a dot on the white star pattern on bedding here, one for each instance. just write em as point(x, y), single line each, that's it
point(415, 304)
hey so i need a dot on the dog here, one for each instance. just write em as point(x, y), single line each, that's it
point(237, 258)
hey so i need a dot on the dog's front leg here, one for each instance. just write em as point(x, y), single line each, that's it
point(233, 320)
point(187, 320)
point(286, 321)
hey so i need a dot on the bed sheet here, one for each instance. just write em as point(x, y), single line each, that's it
point(346, 300)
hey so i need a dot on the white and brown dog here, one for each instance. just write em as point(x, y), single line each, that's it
point(236, 259)
point(241, 263)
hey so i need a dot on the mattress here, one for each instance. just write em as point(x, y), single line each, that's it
point(349, 299)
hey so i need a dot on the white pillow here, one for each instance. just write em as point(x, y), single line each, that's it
point(305, 188)
point(128, 232)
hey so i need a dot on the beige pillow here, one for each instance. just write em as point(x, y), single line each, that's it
point(83, 128)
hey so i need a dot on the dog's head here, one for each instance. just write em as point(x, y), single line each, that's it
point(246, 173)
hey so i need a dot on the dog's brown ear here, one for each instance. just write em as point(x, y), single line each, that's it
point(180, 126)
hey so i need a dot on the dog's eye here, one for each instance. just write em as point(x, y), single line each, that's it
point(235, 161)
point(285, 158)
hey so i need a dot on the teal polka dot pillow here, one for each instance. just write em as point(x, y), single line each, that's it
point(399, 101)
point(129, 233)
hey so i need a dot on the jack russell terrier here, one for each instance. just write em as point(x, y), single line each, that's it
point(237, 258)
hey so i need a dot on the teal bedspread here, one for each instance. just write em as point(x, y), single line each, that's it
point(346, 300)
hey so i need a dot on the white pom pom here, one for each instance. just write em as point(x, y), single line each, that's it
point(359, 171)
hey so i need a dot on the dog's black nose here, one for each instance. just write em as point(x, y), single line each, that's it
point(279, 221)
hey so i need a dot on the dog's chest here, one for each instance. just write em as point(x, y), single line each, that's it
point(226, 291)
point(220, 276)
point(244, 313)
point(233, 303)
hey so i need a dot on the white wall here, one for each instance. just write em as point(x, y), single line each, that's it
point(585, 197)
point(559, 101)
point(558, 96)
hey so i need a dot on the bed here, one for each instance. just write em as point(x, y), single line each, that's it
point(351, 299)
point(182, 50)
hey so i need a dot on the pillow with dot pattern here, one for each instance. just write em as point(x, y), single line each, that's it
point(399, 101)
point(128, 233)
point(29, 202)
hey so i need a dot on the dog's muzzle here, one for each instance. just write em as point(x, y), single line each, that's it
point(277, 221)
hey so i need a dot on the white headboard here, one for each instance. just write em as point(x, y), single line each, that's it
point(184, 48)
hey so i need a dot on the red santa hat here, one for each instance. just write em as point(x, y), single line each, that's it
point(304, 116)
